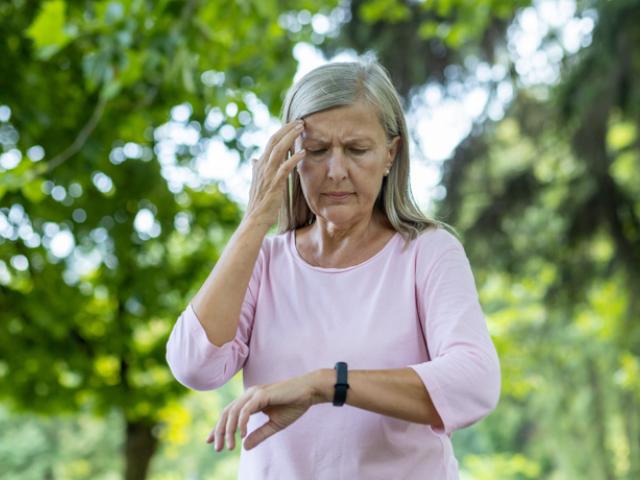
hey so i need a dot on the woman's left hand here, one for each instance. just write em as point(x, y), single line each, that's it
point(283, 402)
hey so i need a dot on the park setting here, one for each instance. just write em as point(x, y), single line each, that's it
point(127, 133)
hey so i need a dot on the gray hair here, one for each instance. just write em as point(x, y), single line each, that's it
point(341, 84)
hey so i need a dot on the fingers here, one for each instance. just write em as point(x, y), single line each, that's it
point(268, 182)
point(225, 430)
point(249, 408)
point(232, 425)
point(234, 415)
point(278, 146)
point(218, 432)
point(289, 164)
point(279, 135)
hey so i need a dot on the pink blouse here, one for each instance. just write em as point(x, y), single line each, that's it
point(297, 317)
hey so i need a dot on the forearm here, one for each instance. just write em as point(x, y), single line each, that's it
point(397, 393)
point(219, 301)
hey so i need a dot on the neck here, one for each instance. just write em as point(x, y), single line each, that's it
point(330, 237)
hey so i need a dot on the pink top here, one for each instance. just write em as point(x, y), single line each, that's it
point(297, 317)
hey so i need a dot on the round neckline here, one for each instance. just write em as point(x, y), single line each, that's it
point(298, 257)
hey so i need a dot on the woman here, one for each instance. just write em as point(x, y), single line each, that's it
point(355, 274)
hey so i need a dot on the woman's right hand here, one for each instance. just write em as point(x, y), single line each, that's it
point(270, 173)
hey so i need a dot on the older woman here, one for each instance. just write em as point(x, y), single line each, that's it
point(358, 301)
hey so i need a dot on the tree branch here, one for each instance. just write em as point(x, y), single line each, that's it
point(81, 139)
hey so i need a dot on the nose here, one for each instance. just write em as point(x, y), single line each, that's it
point(337, 165)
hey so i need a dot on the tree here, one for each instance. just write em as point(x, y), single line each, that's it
point(85, 92)
point(549, 207)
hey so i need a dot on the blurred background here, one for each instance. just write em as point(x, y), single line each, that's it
point(126, 128)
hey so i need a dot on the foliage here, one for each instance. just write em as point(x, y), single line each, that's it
point(92, 97)
point(103, 245)
point(549, 210)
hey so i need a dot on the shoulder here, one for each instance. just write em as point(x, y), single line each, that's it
point(440, 252)
point(274, 245)
point(436, 247)
point(435, 241)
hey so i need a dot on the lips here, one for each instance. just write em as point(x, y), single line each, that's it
point(338, 195)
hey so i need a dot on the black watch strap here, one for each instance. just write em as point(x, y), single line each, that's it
point(341, 385)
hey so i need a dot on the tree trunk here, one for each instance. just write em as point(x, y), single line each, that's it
point(632, 423)
point(140, 445)
point(599, 420)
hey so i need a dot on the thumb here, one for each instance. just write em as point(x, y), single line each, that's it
point(260, 434)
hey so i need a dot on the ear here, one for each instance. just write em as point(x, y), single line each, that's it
point(394, 147)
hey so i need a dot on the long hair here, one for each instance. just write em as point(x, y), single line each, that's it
point(341, 84)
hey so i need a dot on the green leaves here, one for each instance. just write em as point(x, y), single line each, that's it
point(104, 233)
point(48, 30)
point(388, 10)
point(96, 66)
point(33, 190)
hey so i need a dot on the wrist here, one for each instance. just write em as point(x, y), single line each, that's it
point(255, 221)
point(322, 385)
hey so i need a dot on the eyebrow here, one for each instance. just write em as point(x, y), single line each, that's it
point(348, 140)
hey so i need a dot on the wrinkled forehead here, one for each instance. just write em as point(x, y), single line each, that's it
point(345, 122)
point(358, 136)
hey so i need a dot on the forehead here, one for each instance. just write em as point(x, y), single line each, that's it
point(349, 123)
point(354, 137)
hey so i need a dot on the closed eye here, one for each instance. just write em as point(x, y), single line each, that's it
point(320, 151)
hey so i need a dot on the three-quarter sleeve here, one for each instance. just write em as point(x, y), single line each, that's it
point(201, 365)
point(463, 374)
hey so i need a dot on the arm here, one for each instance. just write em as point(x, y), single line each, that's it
point(397, 393)
point(200, 352)
point(463, 376)
point(209, 343)
point(461, 383)
point(218, 302)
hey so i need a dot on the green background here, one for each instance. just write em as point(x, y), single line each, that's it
point(545, 192)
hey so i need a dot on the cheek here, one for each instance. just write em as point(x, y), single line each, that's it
point(303, 165)
point(312, 171)
point(305, 172)
point(307, 183)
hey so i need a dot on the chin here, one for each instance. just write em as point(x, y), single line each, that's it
point(338, 217)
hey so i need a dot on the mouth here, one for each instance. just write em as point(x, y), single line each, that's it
point(338, 195)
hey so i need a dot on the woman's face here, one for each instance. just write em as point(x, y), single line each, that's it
point(347, 151)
